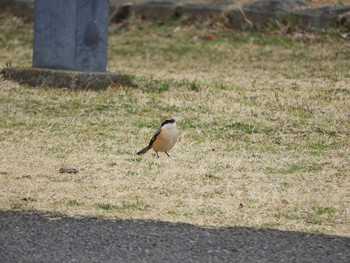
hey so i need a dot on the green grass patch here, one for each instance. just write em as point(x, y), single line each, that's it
point(137, 204)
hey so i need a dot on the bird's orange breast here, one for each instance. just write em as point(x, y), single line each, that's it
point(165, 141)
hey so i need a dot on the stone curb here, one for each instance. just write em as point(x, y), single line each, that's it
point(50, 78)
point(258, 14)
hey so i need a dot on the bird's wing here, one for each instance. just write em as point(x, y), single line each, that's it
point(155, 135)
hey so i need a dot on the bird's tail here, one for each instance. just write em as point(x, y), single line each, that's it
point(144, 150)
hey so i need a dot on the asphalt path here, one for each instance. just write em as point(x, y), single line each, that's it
point(50, 237)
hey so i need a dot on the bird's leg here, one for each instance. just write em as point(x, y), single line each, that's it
point(167, 154)
point(157, 154)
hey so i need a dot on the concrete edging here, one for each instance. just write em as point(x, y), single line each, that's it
point(65, 79)
point(257, 14)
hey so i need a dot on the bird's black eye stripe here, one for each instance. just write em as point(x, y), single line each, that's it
point(168, 121)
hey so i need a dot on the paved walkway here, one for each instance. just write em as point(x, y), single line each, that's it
point(37, 237)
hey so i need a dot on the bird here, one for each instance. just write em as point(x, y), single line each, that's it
point(164, 138)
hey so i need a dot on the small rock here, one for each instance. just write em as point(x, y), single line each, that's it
point(68, 170)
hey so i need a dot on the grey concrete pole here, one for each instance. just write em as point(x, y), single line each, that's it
point(71, 34)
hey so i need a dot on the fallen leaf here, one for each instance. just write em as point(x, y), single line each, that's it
point(209, 37)
point(284, 201)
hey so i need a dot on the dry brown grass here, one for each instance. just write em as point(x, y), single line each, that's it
point(264, 122)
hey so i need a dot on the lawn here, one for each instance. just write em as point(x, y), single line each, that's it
point(264, 122)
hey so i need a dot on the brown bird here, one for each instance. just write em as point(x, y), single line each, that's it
point(164, 138)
